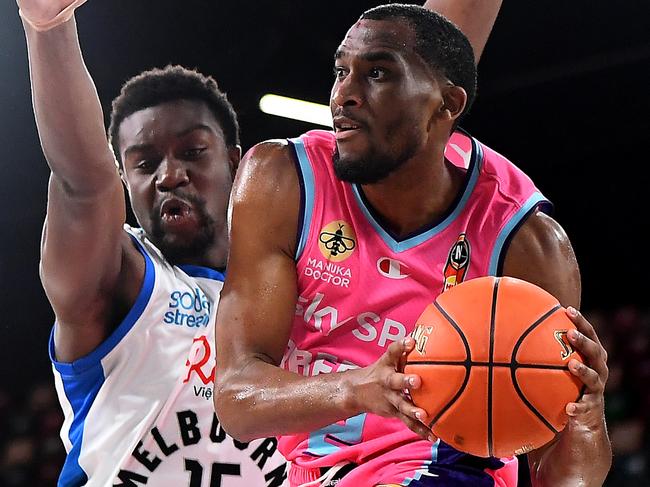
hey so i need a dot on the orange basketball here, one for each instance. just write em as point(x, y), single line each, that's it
point(493, 356)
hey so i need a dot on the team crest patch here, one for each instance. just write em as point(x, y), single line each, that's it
point(337, 241)
point(457, 263)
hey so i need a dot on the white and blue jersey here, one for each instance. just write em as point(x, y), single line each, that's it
point(138, 409)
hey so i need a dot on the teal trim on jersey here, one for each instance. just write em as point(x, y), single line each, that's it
point(349, 433)
point(83, 378)
point(425, 467)
point(308, 185)
point(402, 245)
point(200, 271)
point(534, 200)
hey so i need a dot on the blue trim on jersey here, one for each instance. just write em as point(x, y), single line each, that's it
point(401, 245)
point(81, 390)
point(425, 467)
point(95, 357)
point(308, 184)
point(83, 378)
point(200, 271)
point(534, 200)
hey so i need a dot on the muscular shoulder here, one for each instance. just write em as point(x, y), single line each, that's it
point(266, 193)
point(541, 253)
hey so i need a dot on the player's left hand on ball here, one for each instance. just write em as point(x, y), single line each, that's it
point(589, 410)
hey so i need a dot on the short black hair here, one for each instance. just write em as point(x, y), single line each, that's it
point(438, 42)
point(157, 86)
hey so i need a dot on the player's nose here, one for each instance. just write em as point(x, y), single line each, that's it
point(172, 174)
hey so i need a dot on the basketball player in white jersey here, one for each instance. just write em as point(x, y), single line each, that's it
point(132, 346)
point(132, 350)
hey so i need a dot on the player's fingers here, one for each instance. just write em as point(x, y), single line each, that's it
point(398, 381)
point(403, 405)
point(577, 408)
point(417, 427)
point(396, 351)
point(588, 403)
point(582, 324)
point(593, 353)
point(587, 375)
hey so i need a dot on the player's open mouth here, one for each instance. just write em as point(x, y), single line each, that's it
point(346, 127)
point(174, 210)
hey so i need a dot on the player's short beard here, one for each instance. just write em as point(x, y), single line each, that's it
point(187, 249)
point(372, 168)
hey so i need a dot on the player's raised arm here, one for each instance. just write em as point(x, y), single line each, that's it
point(82, 247)
point(581, 455)
point(475, 18)
point(254, 397)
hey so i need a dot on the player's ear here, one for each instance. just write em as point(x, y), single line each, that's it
point(454, 100)
point(234, 157)
point(120, 171)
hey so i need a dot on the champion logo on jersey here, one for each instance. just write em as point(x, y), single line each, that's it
point(391, 268)
point(457, 262)
point(337, 241)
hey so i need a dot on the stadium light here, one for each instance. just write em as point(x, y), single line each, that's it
point(305, 111)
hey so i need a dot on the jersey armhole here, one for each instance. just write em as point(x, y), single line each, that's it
point(306, 183)
point(93, 359)
point(536, 201)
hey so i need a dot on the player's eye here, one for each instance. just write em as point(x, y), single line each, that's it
point(339, 72)
point(194, 152)
point(377, 73)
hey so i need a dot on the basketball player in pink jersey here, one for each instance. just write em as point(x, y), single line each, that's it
point(340, 239)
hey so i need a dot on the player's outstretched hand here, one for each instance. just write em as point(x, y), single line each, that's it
point(381, 388)
point(43, 14)
point(590, 409)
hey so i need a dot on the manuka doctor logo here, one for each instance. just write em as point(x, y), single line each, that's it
point(188, 308)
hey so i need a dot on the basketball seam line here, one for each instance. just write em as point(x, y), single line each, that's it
point(465, 363)
point(468, 352)
point(490, 432)
point(513, 374)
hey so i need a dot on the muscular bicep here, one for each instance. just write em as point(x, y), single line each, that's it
point(540, 252)
point(82, 250)
point(258, 300)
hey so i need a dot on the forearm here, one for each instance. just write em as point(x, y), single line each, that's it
point(475, 18)
point(67, 109)
point(262, 400)
point(580, 458)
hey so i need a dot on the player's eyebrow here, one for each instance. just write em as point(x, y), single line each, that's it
point(371, 56)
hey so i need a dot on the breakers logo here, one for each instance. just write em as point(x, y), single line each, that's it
point(457, 263)
point(191, 309)
point(337, 241)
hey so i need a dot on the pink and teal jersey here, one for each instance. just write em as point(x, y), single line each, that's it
point(361, 288)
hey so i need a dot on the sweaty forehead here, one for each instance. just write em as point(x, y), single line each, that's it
point(171, 118)
point(366, 34)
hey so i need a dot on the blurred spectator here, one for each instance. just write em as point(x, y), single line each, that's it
point(31, 452)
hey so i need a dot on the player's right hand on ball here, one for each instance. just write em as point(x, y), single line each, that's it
point(381, 388)
point(41, 11)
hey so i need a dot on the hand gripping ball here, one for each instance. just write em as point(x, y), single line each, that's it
point(493, 356)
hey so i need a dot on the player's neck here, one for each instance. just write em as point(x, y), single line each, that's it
point(417, 194)
point(213, 257)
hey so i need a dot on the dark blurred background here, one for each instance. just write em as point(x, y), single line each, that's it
point(563, 92)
